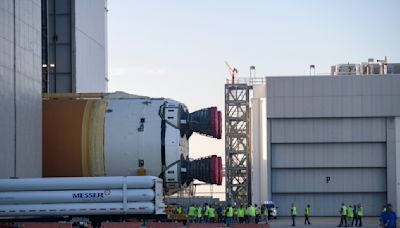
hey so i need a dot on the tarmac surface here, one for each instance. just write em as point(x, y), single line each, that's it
point(317, 222)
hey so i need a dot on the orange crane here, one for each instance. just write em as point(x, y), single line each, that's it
point(232, 71)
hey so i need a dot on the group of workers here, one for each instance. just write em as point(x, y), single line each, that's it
point(351, 215)
point(211, 213)
point(252, 214)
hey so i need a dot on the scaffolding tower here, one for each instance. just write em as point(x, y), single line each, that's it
point(237, 143)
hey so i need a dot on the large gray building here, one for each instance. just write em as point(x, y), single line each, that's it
point(327, 140)
point(74, 46)
point(20, 89)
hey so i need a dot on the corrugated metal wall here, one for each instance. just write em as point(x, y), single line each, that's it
point(327, 161)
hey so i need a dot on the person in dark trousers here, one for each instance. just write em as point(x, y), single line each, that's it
point(388, 217)
point(293, 213)
point(343, 215)
point(354, 222)
point(360, 214)
point(307, 214)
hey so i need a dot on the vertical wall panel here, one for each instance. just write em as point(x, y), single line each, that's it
point(20, 68)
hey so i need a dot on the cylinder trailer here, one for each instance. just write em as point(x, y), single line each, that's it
point(90, 197)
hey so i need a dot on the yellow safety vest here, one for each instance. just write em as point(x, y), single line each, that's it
point(229, 212)
point(179, 210)
point(344, 210)
point(266, 211)
point(240, 212)
point(206, 211)
point(211, 212)
point(191, 211)
point(350, 212)
point(360, 211)
point(199, 212)
point(308, 211)
point(252, 211)
point(294, 211)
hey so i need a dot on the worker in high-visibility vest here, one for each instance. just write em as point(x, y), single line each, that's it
point(349, 214)
point(229, 215)
point(307, 214)
point(219, 212)
point(258, 213)
point(252, 214)
point(293, 213)
point(211, 214)
point(206, 213)
point(355, 216)
point(235, 214)
point(343, 215)
point(179, 210)
point(266, 213)
point(191, 213)
point(246, 214)
point(360, 214)
point(224, 214)
point(241, 214)
point(199, 214)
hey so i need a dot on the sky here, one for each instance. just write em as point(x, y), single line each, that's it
point(176, 49)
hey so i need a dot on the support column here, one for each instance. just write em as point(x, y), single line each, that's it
point(393, 161)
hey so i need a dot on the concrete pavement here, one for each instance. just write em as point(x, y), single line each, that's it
point(317, 222)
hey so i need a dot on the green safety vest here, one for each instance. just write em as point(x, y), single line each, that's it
point(245, 211)
point(360, 211)
point(293, 211)
point(235, 211)
point(350, 212)
point(223, 211)
point(179, 210)
point(191, 211)
point(229, 212)
point(266, 211)
point(258, 211)
point(199, 212)
point(252, 211)
point(206, 211)
point(211, 212)
point(308, 211)
point(240, 212)
point(344, 210)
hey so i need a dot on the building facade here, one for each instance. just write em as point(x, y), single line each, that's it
point(74, 46)
point(327, 140)
point(20, 89)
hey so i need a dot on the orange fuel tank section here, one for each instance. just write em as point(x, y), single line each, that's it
point(73, 137)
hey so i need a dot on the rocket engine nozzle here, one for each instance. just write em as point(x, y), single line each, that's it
point(208, 170)
point(207, 121)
